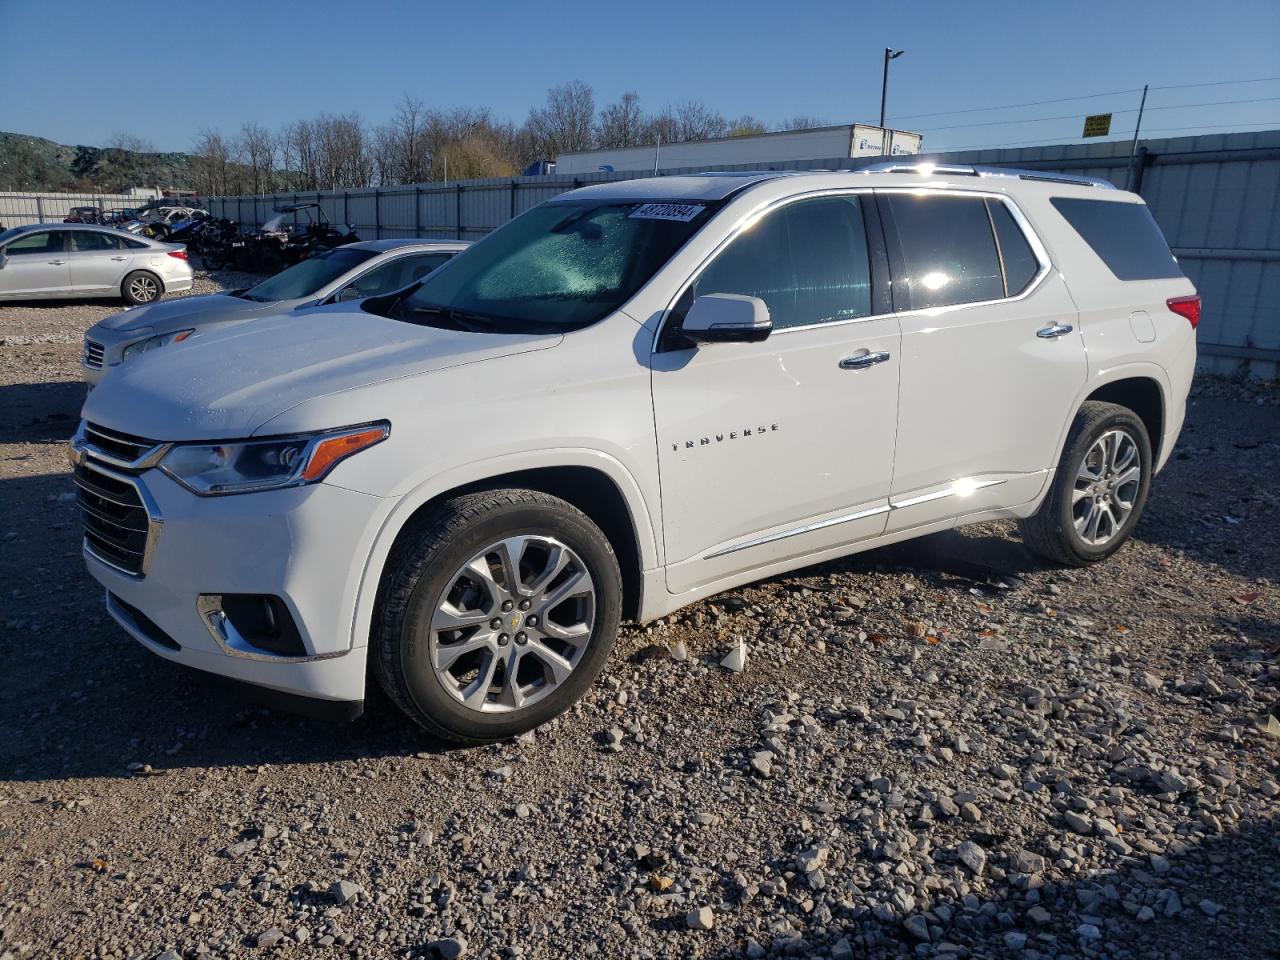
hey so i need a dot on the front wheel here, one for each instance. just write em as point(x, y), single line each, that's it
point(1099, 490)
point(496, 615)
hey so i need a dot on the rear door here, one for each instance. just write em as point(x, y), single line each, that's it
point(992, 359)
point(780, 449)
point(98, 261)
point(35, 266)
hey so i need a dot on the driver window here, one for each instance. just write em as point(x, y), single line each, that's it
point(807, 261)
point(43, 242)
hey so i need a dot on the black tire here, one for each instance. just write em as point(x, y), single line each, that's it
point(1051, 532)
point(136, 283)
point(420, 570)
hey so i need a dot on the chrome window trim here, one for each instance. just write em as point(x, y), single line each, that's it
point(155, 522)
point(1038, 250)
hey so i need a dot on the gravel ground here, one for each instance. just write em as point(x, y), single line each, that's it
point(943, 749)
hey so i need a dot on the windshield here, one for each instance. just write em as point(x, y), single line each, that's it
point(559, 267)
point(305, 278)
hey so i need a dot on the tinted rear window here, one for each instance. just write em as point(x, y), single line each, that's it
point(948, 250)
point(1123, 235)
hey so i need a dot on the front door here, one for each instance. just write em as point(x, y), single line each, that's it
point(991, 359)
point(35, 266)
point(777, 450)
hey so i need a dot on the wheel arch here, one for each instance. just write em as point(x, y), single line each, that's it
point(124, 281)
point(1143, 383)
point(594, 482)
point(1145, 396)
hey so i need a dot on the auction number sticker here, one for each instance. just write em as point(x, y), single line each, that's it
point(680, 212)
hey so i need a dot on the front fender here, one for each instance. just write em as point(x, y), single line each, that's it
point(404, 507)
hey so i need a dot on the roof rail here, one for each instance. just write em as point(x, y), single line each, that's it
point(927, 169)
point(923, 168)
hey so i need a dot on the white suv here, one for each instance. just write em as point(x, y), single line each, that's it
point(631, 397)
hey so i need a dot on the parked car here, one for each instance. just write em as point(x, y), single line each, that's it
point(629, 398)
point(85, 215)
point(278, 244)
point(347, 273)
point(82, 260)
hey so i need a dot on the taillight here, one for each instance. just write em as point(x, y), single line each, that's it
point(180, 254)
point(1188, 307)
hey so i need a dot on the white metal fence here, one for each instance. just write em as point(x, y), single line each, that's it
point(19, 209)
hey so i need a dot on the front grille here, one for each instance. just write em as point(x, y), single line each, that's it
point(93, 354)
point(116, 524)
point(123, 446)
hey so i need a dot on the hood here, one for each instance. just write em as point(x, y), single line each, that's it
point(229, 383)
point(181, 312)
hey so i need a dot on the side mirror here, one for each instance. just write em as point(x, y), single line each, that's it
point(349, 293)
point(727, 318)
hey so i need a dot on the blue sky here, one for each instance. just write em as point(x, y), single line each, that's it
point(77, 77)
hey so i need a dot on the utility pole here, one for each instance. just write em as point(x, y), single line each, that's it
point(889, 54)
point(1133, 149)
point(657, 148)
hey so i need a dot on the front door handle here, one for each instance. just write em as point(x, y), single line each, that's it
point(120, 258)
point(1054, 331)
point(56, 263)
point(864, 360)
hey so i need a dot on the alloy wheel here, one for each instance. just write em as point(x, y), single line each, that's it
point(512, 624)
point(1106, 487)
point(143, 289)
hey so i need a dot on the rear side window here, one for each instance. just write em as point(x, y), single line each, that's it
point(1020, 264)
point(807, 261)
point(1123, 235)
point(948, 250)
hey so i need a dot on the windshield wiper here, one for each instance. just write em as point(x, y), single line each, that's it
point(456, 319)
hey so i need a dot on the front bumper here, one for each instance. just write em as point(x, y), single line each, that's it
point(305, 545)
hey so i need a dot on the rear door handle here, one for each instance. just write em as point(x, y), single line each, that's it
point(119, 258)
point(864, 360)
point(1054, 331)
point(57, 263)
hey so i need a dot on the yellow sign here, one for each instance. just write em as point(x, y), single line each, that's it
point(1097, 125)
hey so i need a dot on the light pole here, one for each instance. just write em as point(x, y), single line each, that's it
point(889, 54)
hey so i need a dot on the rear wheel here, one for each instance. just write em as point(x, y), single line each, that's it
point(141, 287)
point(496, 615)
point(1099, 490)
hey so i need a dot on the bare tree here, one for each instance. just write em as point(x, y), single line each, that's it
point(691, 120)
point(621, 123)
point(745, 126)
point(255, 149)
point(801, 122)
point(211, 164)
point(565, 124)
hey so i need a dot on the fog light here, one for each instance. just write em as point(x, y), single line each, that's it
point(252, 624)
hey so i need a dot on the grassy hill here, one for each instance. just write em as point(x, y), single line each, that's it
point(39, 165)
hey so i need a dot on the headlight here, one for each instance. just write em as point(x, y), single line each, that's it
point(154, 343)
point(211, 469)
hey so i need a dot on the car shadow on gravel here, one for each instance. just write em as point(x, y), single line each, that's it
point(38, 412)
